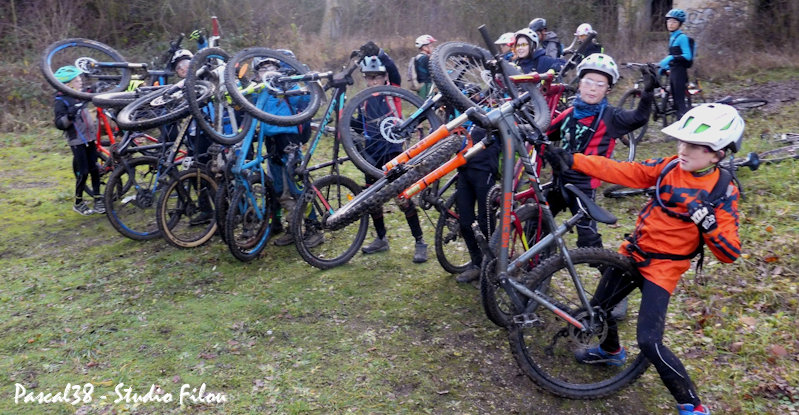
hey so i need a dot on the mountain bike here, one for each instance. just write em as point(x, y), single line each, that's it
point(136, 183)
point(326, 193)
point(663, 109)
point(551, 315)
point(105, 69)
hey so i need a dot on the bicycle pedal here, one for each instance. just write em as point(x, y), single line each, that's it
point(526, 320)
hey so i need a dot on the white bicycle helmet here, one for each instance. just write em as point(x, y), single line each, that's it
point(584, 29)
point(528, 33)
point(372, 64)
point(505, 39)
point(717, 126)
point(424, 40)
point(180, 55)
point(599, 62)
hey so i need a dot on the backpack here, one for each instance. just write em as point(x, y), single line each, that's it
point(413, 78)
point(714, 198)
point(692, 46)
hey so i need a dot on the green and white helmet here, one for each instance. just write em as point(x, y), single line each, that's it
point(599, 62)
point(717, 126)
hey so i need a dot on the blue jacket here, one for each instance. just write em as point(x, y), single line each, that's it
point(282, 106)
point(539, 62)
point(679, 51)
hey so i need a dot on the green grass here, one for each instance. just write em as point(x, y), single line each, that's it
point(82, 304)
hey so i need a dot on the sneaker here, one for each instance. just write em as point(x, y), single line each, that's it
point(688, 409)
point(202, 219)
point(420, 254)
point(471, 274)
point(313, 239)
point(378, 245)
point(83, 208)
point(99, 206)
point(619, 311)
point(285, 239)
point(596, 355)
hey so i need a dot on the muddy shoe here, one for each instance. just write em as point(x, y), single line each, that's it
point(82, 208)
point(99, 206)
point(203, 218)
point(471, 274)
point(285, 239)
point(420, 253)
point(378, 245)
point(313, 239)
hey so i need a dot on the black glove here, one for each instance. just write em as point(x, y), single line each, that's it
point(649, 79)
point(74, 109)
point(703, 216)
point(369, 49)
point(559, 158)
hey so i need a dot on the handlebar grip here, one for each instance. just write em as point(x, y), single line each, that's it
point(488, 40)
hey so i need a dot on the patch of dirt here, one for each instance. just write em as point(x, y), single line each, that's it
point(777, 93)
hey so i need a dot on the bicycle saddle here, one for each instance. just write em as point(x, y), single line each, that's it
point(595, 211)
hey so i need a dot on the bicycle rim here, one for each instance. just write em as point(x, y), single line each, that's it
point(451, 250)
point(82, 53)
point(160, 107)
point(217, 117)
point(544, 345)
point(130, 198)
point(779, 154)
point(748, 103)
point(317, 244)
point(618, 191)
point(629, 101)
point(183, 201)
point(255, 94)
point(248, 220)
point(369, 125)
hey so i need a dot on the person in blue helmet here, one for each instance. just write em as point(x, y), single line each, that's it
point(72, 117)
point(678, 60)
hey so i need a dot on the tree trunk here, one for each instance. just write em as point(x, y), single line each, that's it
point(331, 22)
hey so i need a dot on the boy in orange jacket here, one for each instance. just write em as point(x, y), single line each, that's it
point(669, 231)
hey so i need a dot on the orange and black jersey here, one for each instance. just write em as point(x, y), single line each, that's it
point(658, 232)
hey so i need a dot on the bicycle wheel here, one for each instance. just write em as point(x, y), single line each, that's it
point(369, 125)
point(247, 225)
point(526, 229)
point(544, 344)
point(183, 207)
point(221, 120)
point(85, 54)
point(779, 154)
point(618, 191)
point(747, 103)
point(121, 99)
point(461, 73)
point(160, 107)
point(629, 101)
point(130, 197)
point(318, 245)
point(384, 190)
point(451, 250)
point(258, 96)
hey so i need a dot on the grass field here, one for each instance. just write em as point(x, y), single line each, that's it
point(85, 306)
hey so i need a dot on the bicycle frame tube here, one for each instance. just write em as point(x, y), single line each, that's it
point(439, 134)
point(510, 143)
